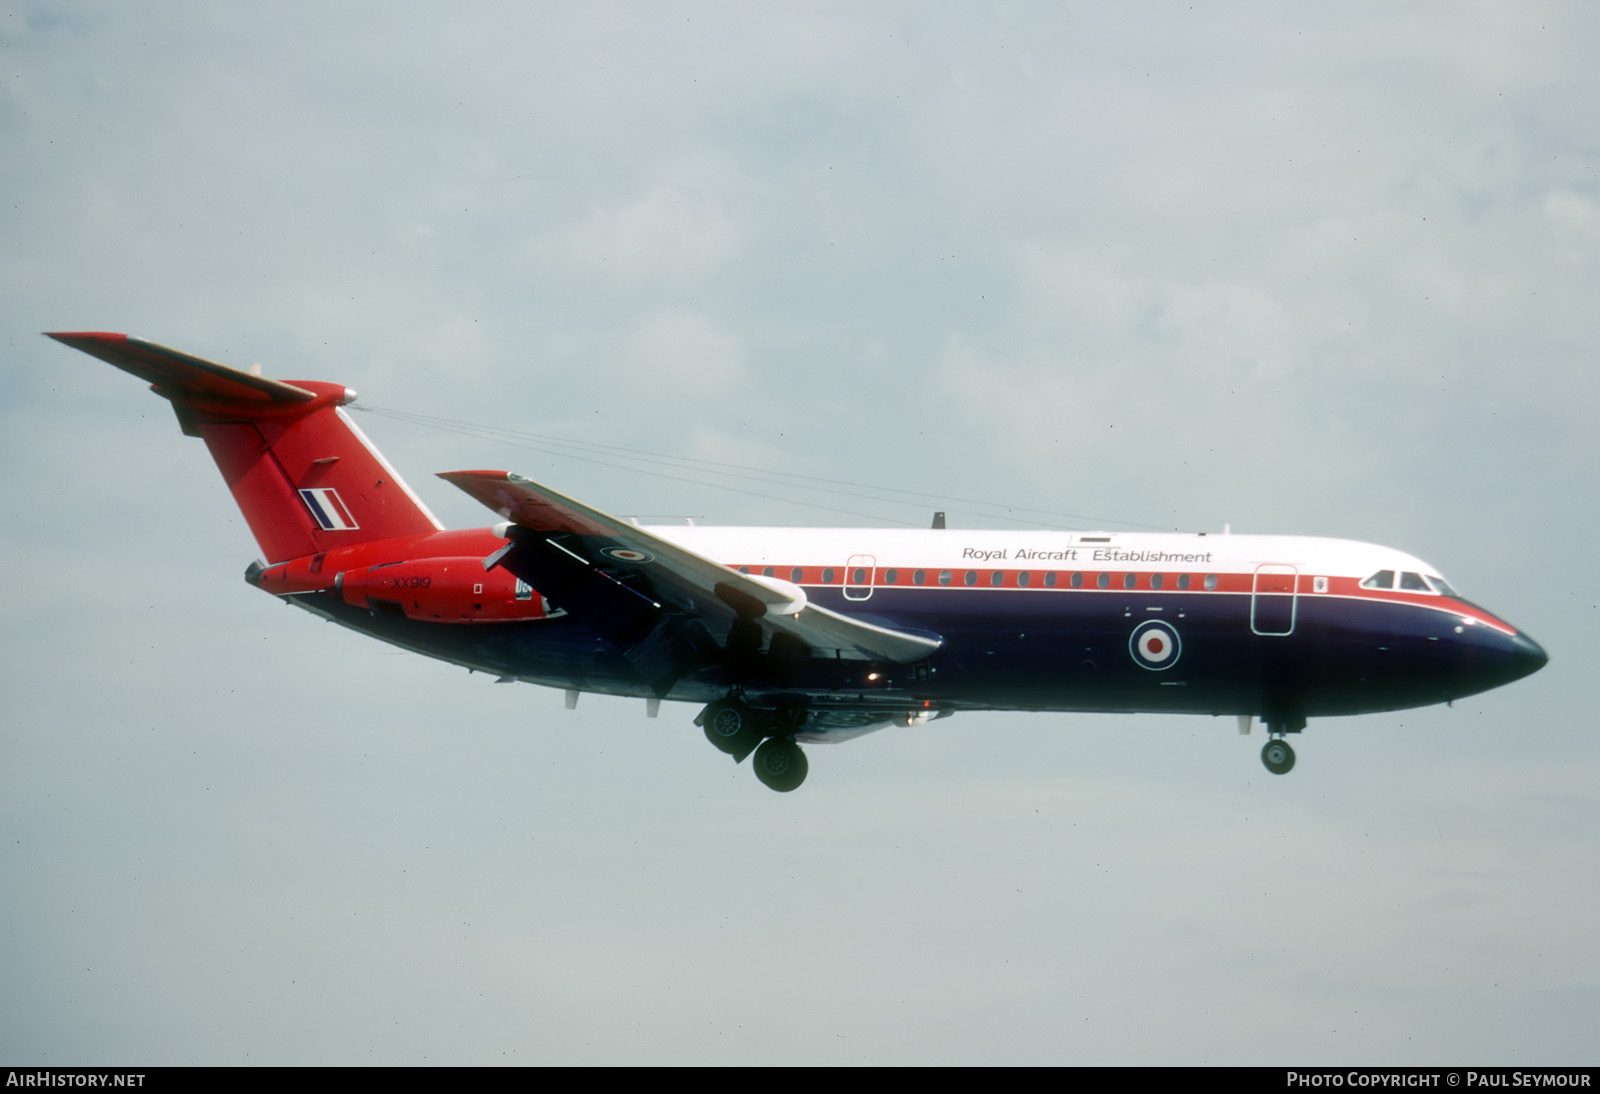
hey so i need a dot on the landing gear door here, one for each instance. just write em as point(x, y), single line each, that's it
point(858, 577)
point(1272, 599)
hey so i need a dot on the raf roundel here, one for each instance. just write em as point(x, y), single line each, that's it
point(627, 554)
point(1154, 645)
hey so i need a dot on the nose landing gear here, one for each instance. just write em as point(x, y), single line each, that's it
point(1277, 756)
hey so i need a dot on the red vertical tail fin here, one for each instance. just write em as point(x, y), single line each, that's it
point(305, 477)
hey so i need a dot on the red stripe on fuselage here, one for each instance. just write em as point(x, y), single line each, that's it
point(1343, 588)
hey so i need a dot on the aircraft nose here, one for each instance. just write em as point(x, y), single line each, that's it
point(1527, 656)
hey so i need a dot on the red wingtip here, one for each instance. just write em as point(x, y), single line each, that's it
point(75, 338)
point(452, 476)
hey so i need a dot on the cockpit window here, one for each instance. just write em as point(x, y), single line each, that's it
point(1383, 579)
point(1413, 583)
point(1441, 586)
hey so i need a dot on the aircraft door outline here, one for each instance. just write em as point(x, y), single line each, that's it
point(1274, 599)
point(858, 575)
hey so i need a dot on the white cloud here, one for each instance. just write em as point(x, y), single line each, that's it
point(681, 231)
point(678, 356)
point(1573, 211)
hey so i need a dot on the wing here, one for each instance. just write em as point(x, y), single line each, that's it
point(666, 605)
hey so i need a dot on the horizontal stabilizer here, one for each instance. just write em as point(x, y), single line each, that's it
point(176, 375)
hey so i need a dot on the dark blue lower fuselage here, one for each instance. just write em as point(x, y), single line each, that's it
point(1077, 650)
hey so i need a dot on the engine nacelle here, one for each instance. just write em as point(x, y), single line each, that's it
point(300, 575)
point(444, 590)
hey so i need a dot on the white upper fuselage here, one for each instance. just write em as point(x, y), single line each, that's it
point(961, 549)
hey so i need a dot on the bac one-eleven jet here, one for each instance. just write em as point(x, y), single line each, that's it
point(792, 635)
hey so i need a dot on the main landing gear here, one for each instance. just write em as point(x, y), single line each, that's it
point(780, 764)
point(735, 727)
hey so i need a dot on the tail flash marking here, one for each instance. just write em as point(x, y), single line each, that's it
point(328, 509)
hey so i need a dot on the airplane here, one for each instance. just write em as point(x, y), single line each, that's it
point(793, 636)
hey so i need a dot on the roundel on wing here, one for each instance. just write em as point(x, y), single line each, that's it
point(627, 554)
point(1154, 644)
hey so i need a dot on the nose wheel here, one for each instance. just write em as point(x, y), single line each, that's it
point(1278, 757)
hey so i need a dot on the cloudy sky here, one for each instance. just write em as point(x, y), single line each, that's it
point(1312, 269)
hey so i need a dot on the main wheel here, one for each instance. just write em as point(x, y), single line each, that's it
point(780, 764)
point(732, 726)
point(1278, 757)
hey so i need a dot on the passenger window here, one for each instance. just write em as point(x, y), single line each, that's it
point(766, 571)
point(1183, 581)
point(797, 575)
point(1155, 581)
point(827, 576)
point(971, 577)
point(858, 576)
point(1104, 581)
point(944, 577)
point(1383, 579)
point(1129, 581)
point(1077, 581)
point(889, 576)
point(1050, 580)
point(1413, 583)
point(1211, 582)
point(919, 576)
point(1023, 579)
point(997, 578)
point(744, 569)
